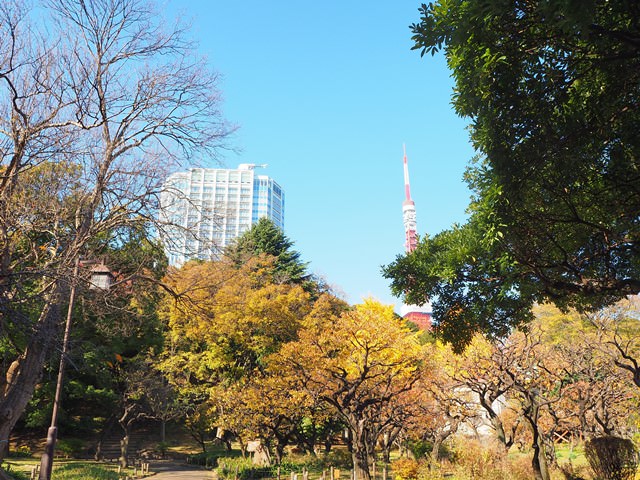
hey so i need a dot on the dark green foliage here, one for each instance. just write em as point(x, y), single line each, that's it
point(265, 238)
point(612, 458)
point(70, 447)
point(551, 90)
point(111, 332)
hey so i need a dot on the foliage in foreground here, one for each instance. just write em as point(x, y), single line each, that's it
point(612, 458)
point(244, 468)
point(550, 91)
point(83, 471)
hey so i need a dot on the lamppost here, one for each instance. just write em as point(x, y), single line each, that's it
point(101, 278)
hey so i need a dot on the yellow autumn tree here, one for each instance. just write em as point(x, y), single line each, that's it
point(224, 320)
point(357, 364)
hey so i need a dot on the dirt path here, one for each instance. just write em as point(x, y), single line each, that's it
point(176, 471)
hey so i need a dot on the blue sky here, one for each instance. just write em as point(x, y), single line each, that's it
point(326, 93)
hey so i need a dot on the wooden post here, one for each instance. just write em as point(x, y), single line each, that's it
point(374, 470)
point(278, 474)
point(305, 474)
point(324, 474)
point(35, 471)
point(384, 472)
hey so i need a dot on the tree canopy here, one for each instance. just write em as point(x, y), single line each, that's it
point(551, 91)
point(264, 237)
point(98, 99)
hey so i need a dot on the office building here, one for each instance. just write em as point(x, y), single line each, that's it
point(204, 209)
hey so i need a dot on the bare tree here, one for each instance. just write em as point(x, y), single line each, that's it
point(619, 327)
point(94, 113)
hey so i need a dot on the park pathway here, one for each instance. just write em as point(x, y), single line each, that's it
point(175, 471)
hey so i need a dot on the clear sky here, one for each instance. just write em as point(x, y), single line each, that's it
point(326, 93)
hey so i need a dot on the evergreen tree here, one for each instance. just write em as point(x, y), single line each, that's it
point(265, 237)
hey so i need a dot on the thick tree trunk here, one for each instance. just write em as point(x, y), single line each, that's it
point(359, 448)
point(24, 374)
point(360, 463)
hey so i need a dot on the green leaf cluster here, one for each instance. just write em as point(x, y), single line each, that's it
point(551, 91)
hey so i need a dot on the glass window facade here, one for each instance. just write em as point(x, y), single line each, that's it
point(204, 210)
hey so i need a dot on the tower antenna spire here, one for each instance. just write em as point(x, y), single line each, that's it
point(420, 315)
point(408, 210)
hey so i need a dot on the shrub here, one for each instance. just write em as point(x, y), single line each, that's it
point(611, 458)
point(23, 451)
point(77, 471)
point(161, 449)
point(205, 459)
point(243, 467)
point(475, 461)
point(405, 469)
point(420, 448)
point(338, 459)
point(70, 447)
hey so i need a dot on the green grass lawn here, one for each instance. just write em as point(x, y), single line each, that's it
point(65, 469)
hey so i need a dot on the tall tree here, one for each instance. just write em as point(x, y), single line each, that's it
point(101, 102)
point(552, 92)
point(265, 238)
point(226, 320)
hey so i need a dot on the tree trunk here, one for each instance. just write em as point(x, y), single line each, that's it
point(24, 374)
point(279, 452)
point(497, 425)
point(539, 461)
point(124, 450)
point(360, 463)
point(328, 443)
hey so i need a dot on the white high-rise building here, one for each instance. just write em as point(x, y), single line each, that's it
point(204, 209)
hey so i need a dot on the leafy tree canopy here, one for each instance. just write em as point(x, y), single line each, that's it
point(551, 90)
point(265, 238)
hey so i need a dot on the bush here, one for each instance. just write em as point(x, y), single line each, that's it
point(23, 451)
point(338, 459)
point(208, 459)
point(611, 458)
point(161, 449)
point(420, 448)
point(70, 447)
point(476, 461)
point(244, 468)
point(405, 469)
point(77, 471)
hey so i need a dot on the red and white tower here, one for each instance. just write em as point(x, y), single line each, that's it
point(420, 315)
point(408, 211)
